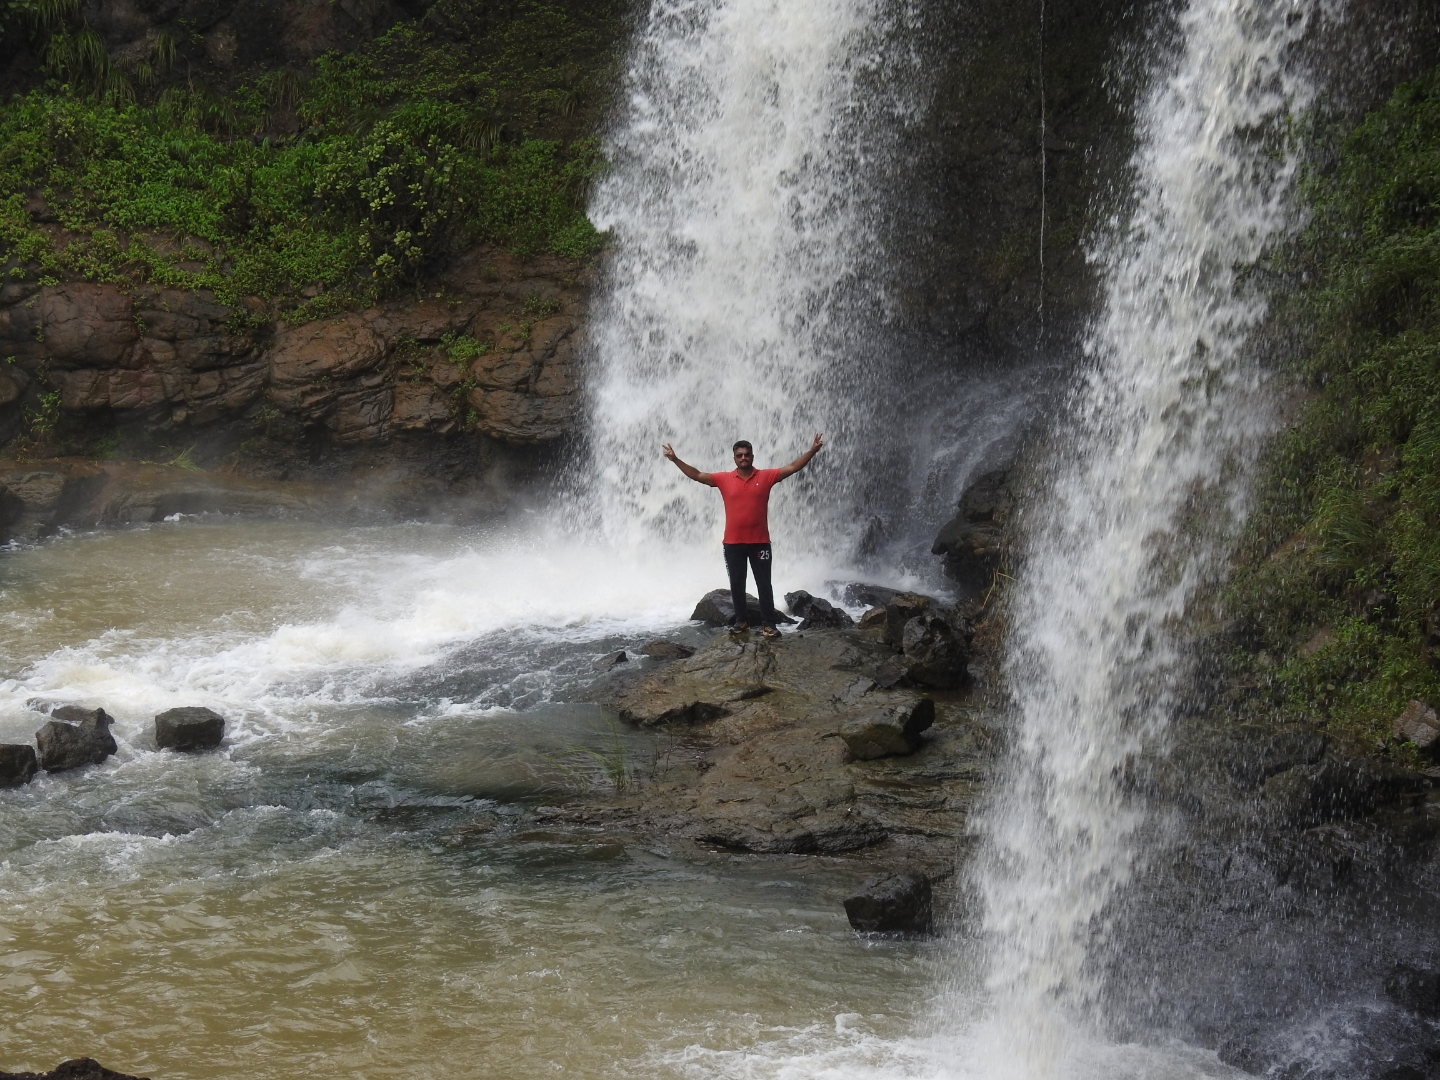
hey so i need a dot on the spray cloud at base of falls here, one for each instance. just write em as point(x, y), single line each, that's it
point(1146, 492)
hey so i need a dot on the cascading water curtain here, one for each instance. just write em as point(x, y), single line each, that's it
point(742, 198)
point(1146, 492)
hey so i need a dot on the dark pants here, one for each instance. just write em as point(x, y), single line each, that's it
point(759, 558)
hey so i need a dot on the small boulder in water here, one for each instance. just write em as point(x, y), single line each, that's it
point(18, 764)
point(892, 902)
point(75, 737)
point(190, 728)
point(668, 650)
point(716, 609)
point(74, 1069)
point(889, 731)
point(612, 660)
point(815, 613)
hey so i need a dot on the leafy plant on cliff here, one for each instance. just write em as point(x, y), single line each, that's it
point(447, 131)
point(1339, 582)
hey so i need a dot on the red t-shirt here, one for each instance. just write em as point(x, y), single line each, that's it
point(745, 504)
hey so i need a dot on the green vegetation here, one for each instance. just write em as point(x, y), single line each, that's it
point(1338, 585)
point(320, 188)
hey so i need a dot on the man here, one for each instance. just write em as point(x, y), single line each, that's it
point(746, 492)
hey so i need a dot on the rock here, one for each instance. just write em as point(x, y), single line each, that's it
point(69, 745)
point(1240, 1054)
point(815, 613)
point(1337, 789)
point(667, 650)
point(190, 728)
point(892, 902)
point(873, 619)
point(857, 593)
point(889, 731)
point(899, 610)
point(935, 653)
point(74, 1069)
point(1418, 724)
point(891, 672)
point(716, 609)
point(1255, 753)
point(611, 660)
point(18, 764)
point(1414, 989)
point(973, 542)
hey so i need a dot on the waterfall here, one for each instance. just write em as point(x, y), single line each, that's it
point(744, 199)
point(1146, 490)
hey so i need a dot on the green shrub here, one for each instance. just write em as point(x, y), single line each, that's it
point(1341, 567)
point(438, 135)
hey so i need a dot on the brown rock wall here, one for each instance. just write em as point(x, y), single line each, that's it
point(493, 351)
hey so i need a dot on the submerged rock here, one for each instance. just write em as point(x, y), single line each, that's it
point(889, 730)
point(815, 613)
point(69, 745)
point(892, 902)
point(18, 764)
point(667, 650)
point(611, 660)
point(74, 1069)
point(716, 609)
point(190, 728)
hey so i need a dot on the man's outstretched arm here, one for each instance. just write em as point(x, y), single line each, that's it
point(689, 470)
point(803, 460)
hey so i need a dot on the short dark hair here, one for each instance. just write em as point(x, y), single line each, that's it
point(741, 443)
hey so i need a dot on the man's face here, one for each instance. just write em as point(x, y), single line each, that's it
point(744, 457)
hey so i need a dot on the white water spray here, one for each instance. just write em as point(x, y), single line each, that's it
point(1146, 495)
point(743, 200)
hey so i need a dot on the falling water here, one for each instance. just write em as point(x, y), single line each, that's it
point(1147, 491)
point(749, 166)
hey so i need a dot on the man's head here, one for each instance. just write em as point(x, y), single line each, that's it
point(744, 454)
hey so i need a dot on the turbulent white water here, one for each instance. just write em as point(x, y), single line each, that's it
point(749, 168)
point(1148, 488)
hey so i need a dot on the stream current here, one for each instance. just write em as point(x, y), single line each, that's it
point(349, 887)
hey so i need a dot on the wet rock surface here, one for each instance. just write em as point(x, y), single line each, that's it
point(75, 737)
point(758, 762)
point(889, 731)
point(189, 728)
point(667, 650)
point(716, 608)
point(817, 613)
